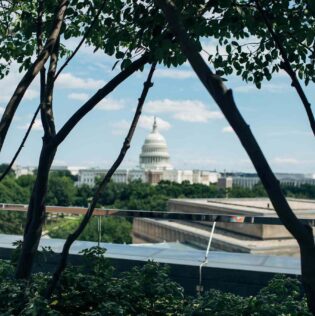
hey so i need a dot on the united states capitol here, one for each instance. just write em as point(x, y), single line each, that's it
point(154, 166)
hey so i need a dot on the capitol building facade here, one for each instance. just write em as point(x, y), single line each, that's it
point(154, 166)
point(154, 154)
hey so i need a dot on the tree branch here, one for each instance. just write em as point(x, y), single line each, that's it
point(7, 170)
point(286, 65)
point(39, 37)
point(97, 97)
point(31, 73)
point(224, 98)
point(82, 40)
point(126, 145)
point(46, 105)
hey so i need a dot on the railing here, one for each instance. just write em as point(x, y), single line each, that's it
point(235, 218)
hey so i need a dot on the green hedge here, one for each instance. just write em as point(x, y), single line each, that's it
point(94, 289)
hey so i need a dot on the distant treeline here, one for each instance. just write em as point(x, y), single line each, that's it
point(135, 195)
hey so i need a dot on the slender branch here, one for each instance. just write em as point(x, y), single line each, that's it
point(224, 98)
point(31, 73)
point(82, 40)
point(46, 106)
point(97, 97)
point(205, 8)
point(7, 170)
point(42, 72)
point(39, 37)
point(126, 145)
point(286, 65)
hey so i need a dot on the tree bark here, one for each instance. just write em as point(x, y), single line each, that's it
point(37, 211)
point(35, 214)
point(224, 98)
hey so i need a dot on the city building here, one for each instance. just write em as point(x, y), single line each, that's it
point(225, 183)
point(250, 180)
point(245, 182)
point(243, 225)
point(22, 171)
point(154, 154)
point(154, 166)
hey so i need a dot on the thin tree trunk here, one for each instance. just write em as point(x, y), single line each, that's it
point(36, 214)
point(126, 145)
point(224, 98)
point(37, 211)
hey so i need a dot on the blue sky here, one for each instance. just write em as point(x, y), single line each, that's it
point(197, 134)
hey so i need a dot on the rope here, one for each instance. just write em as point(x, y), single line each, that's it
point(200, 287)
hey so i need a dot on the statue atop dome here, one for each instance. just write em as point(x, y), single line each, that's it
point(154, 128)
point(154, 154)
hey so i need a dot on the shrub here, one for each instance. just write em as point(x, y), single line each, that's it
point(95, 289)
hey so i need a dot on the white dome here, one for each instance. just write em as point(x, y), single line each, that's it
point(154, 154)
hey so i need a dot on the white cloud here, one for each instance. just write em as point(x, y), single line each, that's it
point(292, 161)
point(146, 122)
point(174, 73)
point(286, 160)
point(78, 96)
point(268, 87)
point(110, 104)
point(1, 110)
point(31, 94)
point(183, 110)
point(227, 129)
point(120, 127)
point(37, 126)
point(107, 104)
point(69, 81)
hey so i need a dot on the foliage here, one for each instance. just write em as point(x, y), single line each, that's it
point(3, 168)
point(282, 296)
point(135, 195)
point(11, 192)
point(244, 45)
point(12, 222)
point(113, 230)
point(96, 289)
point(61, 190)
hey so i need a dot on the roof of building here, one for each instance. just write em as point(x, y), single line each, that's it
point(180, 255)
point(242, 206)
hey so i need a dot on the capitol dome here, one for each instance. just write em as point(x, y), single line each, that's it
point(154, 154)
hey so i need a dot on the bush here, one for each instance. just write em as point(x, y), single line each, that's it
point(94, 289)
